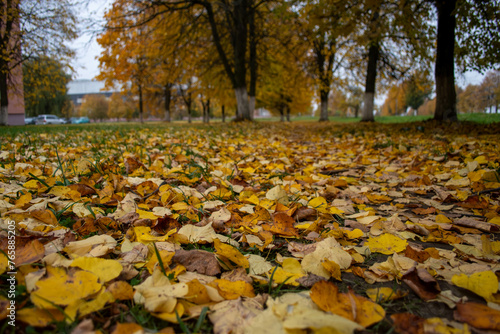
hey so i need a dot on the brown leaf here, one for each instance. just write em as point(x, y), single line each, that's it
point(304, 213)
point(422, 283)
point(309, 280)
point(45, 216)
point(238, 274)
point(282, 225)
point(474, 202)
point(474, 223)
point(30, 252)
point(408, 323)
point(416, 253)
point(83, 189)
point(85, 226)
point(165, 224)
point(478, 315)
point(200, 261)
point(132, 165)
point(424, 212)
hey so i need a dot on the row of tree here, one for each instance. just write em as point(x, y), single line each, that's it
point(275, 53)
point(278, 54)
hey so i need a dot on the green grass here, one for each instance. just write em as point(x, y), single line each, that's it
point(126, 126)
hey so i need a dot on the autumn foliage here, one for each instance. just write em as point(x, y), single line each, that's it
point(297, 227)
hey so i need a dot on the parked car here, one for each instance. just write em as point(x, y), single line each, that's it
point(81, 120)
point(49, 119)
point(29, 120)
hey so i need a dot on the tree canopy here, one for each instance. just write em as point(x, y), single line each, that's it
point(281, 55)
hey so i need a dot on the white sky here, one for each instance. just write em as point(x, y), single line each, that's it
point(87, 49)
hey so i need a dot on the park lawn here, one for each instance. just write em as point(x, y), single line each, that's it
point(352, 227)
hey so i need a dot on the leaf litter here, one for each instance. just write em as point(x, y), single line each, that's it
point(266, 227)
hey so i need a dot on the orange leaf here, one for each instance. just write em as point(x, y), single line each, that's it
point(478, 315)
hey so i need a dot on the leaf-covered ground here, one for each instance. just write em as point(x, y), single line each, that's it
point(252, 228)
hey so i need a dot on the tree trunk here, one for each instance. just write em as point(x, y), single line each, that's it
point(141, 105)
point(240, 65)
point(223, 111)
point(4, 99)
point(323, 117)
point(371, 79)
point(356, 111)
point(243, 112)
point(251, 105)
point(446, 98)
point(253, 61)
point(168, 98)
point(288, 114)
point(282, 114)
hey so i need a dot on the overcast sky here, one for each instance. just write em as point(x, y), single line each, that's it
point(86, 65)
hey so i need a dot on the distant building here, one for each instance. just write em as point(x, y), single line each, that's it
point(77, 89)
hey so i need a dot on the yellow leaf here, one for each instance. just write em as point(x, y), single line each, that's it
point(171, 316)
point(333, 268)
point(146, 214)
point(180, 206)
point(121, 290)
point(105, 269)
point(95, 304)
point(39, 317)
point(319, 203)
point(63, 289)
point(484, 283)
point(354, 234)
point(482, 160)
point(4, 263)
point(233, 290)
point(197, 293)
point(289, 273)
point(348, 305)
point(386, 244)
point(384, 294)
point(166, 258)
point(442, 219)
point(230, 253)
point(143, 235)
point(495, 220)
point(23, 200)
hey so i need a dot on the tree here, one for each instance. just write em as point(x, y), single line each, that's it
point(327, 26)
point(395, 103)
point(490, 90)
point(418, 88)
point(125, 58)
point(95, 106)
point(469, 100)
point(120, 107)
point(397, 38)
point(38, 28)
point(44, 81)
point(470, 30)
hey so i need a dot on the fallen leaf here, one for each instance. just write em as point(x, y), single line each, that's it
point(485, 283)
point(105, 269)
point(199, 261)
point(230, 253)
point(61, 288)
point(386, 244)
point(478, 316)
